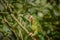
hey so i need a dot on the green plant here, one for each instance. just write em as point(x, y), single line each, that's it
point(29, 19)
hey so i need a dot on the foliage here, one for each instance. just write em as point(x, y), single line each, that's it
point(29, 19)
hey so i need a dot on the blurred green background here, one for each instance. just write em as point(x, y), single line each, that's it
point(29, 19)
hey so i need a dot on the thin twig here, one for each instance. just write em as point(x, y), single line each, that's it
point(10, 10)
point(10, 27)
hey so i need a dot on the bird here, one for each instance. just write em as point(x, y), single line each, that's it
point(33, 25)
